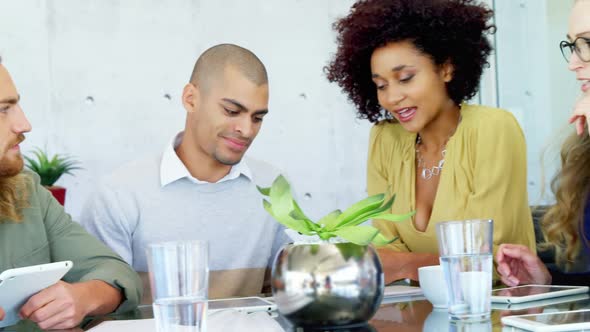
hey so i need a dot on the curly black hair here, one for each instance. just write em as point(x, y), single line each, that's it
point(445, 30)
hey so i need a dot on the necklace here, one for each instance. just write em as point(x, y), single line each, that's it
point(428, 172)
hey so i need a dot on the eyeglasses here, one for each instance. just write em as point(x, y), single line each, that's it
point(581, 46)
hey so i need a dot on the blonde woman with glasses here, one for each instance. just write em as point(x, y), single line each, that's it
point(566, 225)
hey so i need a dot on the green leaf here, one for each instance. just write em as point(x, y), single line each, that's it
point(329, 220)
point(297, 225)
point(264, 191)
point(388, 204)
point(381, 240)
point(326, 235)
point(298, 212)
point(310, 224)
point(369, 214)
point(300, 215)
point(281, 198)
point(361, 235)
point(285, 210)
point(394, 217)
point(358, 208)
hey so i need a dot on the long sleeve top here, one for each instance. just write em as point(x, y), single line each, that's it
point(47, 234)
point(484, 177)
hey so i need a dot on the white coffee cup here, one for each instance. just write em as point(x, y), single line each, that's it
point(432, 282)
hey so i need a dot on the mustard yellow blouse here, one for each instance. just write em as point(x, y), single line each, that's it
point(484, 176)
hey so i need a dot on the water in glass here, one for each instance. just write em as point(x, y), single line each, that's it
point(180, 314)
point(469, 280)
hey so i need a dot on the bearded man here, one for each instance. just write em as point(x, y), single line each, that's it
point(34, 229)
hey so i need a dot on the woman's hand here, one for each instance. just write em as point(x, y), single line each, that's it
point(518, 265)
point(581, 114)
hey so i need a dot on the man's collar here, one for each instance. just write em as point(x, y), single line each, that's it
point(172, 168)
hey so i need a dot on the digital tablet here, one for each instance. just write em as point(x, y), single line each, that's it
point(527, 293)
point(244, 304)
point(18, 285)
point(539, 303)
point(577, 320)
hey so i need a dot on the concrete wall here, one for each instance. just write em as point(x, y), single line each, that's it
point(101, 80)
point(94, 76)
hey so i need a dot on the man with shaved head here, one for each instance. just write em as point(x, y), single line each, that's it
point(201, 187)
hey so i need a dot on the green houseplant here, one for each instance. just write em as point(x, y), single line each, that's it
point(346, 225)
point(50, 169)
point(329, 283)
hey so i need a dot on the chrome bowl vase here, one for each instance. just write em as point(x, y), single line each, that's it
point(327, 284)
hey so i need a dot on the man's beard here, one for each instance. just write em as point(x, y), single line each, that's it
point(11, 165)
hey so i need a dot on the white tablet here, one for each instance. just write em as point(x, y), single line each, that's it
point(18, 285)
point(527, 293)
point(539, 303)
point(244, 304)
point(577, 320)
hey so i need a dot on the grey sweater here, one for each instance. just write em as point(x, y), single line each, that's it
point(131, 209)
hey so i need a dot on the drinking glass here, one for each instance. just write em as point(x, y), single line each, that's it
point(179, 281)
point(465, 249)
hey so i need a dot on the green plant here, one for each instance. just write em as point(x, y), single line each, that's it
point(50, 169)
point(347, 224)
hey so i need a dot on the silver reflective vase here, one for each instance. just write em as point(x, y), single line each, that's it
point(327, 284)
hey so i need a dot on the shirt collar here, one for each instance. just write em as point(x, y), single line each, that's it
point(172, 168)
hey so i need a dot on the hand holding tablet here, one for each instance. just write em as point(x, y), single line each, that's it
point(18, 285)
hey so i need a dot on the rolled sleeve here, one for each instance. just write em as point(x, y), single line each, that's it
point(92, 260)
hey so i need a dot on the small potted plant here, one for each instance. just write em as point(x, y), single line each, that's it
point(337, 278)
point(50, 169)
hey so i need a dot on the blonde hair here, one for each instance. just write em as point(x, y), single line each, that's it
point(563, 222)
point(13, 197)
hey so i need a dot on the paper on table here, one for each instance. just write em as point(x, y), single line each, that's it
point(146, 325)
point(401, 290)
point(220, 321)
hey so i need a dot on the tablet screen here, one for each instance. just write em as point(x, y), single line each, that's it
point(527, 290)
point(233, 303)
point(559, 318)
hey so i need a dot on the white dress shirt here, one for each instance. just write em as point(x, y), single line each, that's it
point(173, 169)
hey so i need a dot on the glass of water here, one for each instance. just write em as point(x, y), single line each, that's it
point(179, 281)
point(465, 249)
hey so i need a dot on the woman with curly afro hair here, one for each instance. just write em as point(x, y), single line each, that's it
point(409, 66)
